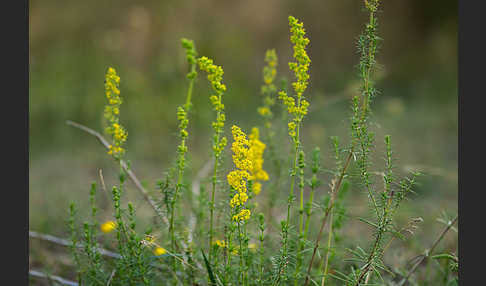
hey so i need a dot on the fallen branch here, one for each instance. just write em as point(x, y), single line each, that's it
point(68, 243)
point(429, 251)
point(58, 279)
point(130, 173)
point(65, 242)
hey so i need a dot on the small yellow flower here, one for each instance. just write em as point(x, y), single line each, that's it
point(108, 226)
point(252, 246)
point(160, 251)
point(220, 243)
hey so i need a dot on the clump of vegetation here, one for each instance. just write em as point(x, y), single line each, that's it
point(222, 237)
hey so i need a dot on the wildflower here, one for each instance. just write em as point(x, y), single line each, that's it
point(112, 112)
point(108, 226)
point(257, 148)
point(268, 89)
point(220, 243)
point(300, 67)
point(240, 148)
point(239, 199)
point(236, 180)
point(160, 251)
point(243, 215)
point(252, 246)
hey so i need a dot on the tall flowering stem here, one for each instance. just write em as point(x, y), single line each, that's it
point(297, 107)
point(183, 119)
point(215, 76)
point(248, 161)
point(362, 139)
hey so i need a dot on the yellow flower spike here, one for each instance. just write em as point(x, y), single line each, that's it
point(108, 226)
point(248, 160)
point(112, 112)
point(160, 251)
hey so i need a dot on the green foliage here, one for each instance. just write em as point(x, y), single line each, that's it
point(228, 222)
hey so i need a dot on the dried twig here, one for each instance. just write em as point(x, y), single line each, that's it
point(65, 242)
point(429, 251)
point(111, 277)
point(130, 173)
point(335, 189)
point(58, 279)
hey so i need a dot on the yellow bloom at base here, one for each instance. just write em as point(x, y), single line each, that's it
point(160, 251)
point(108, 226)
point(220, 243)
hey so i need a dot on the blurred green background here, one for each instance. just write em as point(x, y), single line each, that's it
point(73, 42)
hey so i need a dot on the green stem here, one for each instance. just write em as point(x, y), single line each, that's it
point(309, 213)
point(211, 207)
point(329, 241)
point(301, 241)
point(241, 278)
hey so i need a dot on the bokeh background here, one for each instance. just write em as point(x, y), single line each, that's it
point(73, 42)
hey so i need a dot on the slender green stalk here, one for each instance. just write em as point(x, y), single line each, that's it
point(261, 249)
point(329, 242)
point(182, 116)
point(215, 76)
point(300, 242)
point(329, 208)
point(314, 184)
point(298, 111)
point(240, 271)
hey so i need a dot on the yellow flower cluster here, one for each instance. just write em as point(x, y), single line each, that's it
point(182, 148)
point(248, 160)
point(237, 178)
point(268, 89)
point(215, 76)
point(255, 155)
point(300, 67)
point(222, 244)
point(270, 71)
point(243, 215)
point(239, 199)
point(298, 111)
point(112, 111)
point(188, 45)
